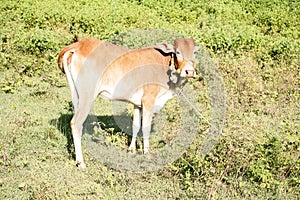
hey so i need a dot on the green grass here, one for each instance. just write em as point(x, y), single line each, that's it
point(255, 47)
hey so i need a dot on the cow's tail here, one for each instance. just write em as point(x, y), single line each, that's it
point(65, 65)
point(66, 51)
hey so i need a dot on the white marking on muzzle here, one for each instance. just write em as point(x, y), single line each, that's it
point(188, 70)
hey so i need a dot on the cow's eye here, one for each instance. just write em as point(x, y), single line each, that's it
point(178, 52)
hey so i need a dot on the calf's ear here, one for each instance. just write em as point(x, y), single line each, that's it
point(166, 48)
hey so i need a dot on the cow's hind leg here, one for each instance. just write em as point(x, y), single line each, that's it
point(76, 124)
point(136, 126)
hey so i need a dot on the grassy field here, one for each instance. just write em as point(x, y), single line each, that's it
point(255, 47)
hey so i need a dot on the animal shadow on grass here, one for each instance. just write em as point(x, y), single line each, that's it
point(108, 124)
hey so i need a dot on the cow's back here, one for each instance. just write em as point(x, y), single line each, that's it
point(131, 71)
point(136, 63)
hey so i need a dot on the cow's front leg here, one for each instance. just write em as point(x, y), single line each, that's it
point(136, 126)
point(146, 127)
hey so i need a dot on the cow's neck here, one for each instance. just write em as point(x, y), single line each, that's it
point(174, 75)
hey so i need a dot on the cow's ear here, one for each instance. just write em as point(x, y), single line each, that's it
point(166, 48)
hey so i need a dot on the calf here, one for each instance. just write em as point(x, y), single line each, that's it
point(145, 77)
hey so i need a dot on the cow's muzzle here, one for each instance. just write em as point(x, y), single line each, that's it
point(190, 73)
point(187, 69)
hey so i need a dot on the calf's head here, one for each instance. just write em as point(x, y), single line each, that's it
point(183, 55)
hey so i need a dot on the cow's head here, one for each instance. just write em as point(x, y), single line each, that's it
point(183, 55)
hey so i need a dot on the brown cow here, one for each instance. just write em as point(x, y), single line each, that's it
point(145, 77)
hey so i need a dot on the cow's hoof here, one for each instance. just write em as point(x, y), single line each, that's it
point(81, 165)
point(146, 151)
point(131, 150)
